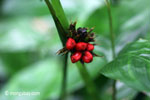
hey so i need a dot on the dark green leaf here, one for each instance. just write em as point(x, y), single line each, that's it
point(59, 18)
point(60, 14)
point(132, 66)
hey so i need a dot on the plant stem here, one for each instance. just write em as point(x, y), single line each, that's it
point(112, 45)
point(61, 30)
point(88, 82)
point(111, 29)
point(64, 80)
point(114, 90)
point(62, 25)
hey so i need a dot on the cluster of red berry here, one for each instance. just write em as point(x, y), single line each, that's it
point(82, 50)
point(78, 43)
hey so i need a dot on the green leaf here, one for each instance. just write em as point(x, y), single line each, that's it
point(40, 77)
point(125, 92)
point(59, 18)
point(45, 77)
point(62, 28)
point(132, 66)
point(60, 14)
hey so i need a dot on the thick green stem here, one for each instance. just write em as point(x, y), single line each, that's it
point(62, 25)
point(59, 25)
point(112, 45)
point(88, 82)
point(64, 80)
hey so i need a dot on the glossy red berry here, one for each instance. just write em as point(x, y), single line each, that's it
point(76, 57)
point(81, 46)
point(90, 47)
point(70, 44)
point(87, 57)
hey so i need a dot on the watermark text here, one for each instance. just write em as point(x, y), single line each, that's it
point(21, 93)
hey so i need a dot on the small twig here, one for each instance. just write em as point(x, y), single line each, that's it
point(113, 46)
point(111, 28)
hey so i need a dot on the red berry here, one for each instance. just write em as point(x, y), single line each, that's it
point(81, 46)
point(90, 47)
point(76, 57)
point(88, 57)
point(70, 44)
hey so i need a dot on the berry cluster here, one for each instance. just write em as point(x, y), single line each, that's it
point(81, 50)
point(78, 43)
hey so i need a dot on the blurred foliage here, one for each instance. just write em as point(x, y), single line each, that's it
point(29, 42)
point(132, 66)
